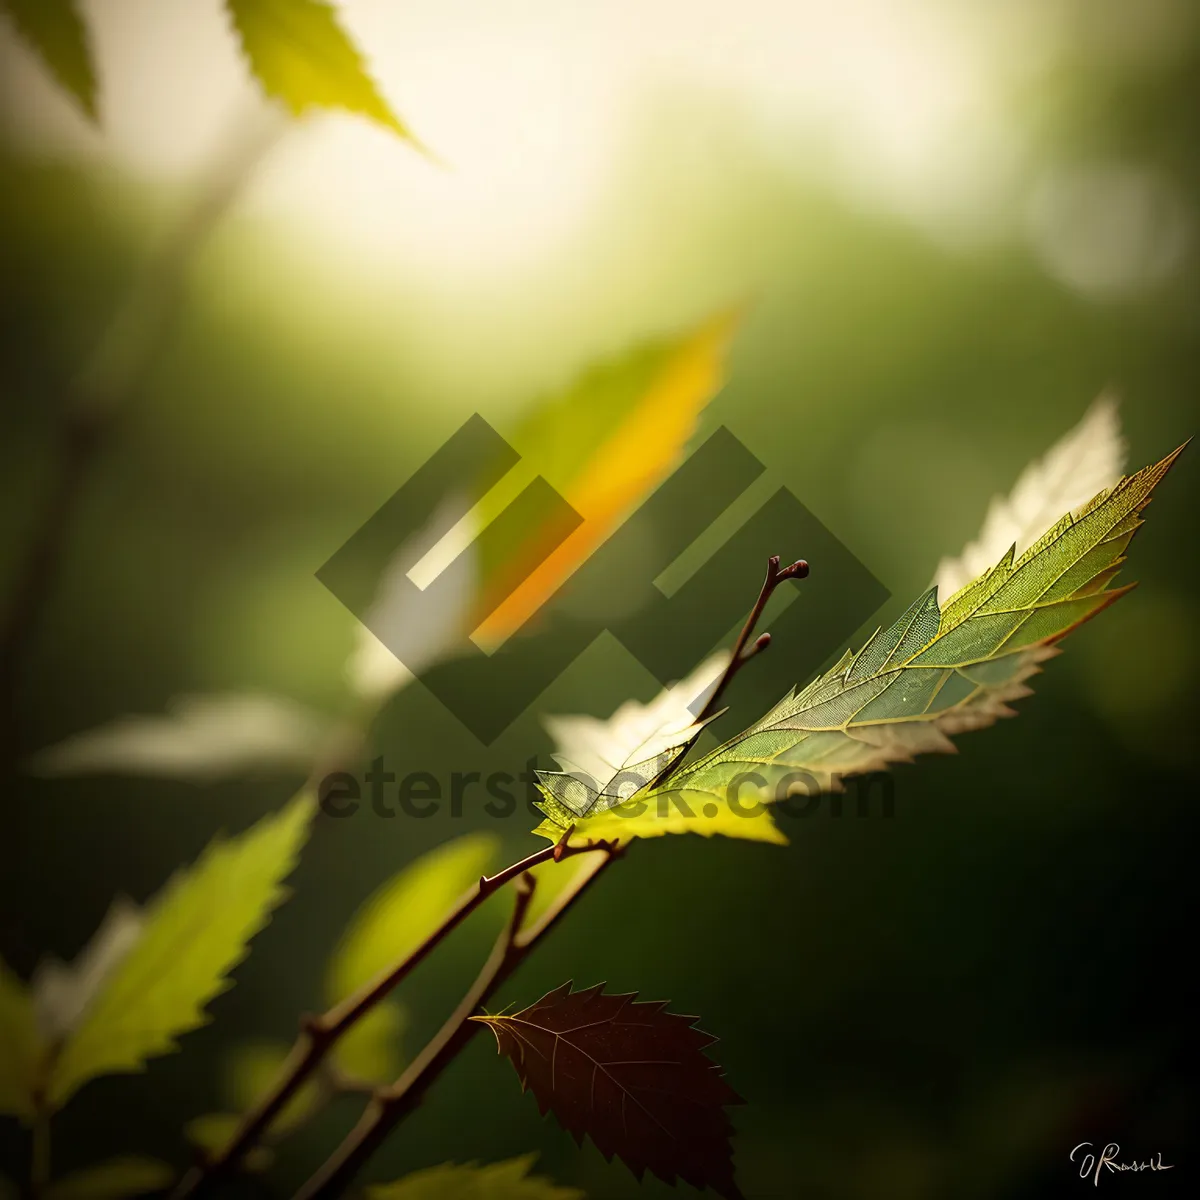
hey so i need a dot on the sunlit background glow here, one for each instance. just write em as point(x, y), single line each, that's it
point(919, 107)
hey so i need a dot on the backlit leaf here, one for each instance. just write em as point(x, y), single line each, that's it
point(509, 1180)
point(301, 54)
point(197, 929)
point(939, 670)
point(619, 756)
point(130, 1175)
point(629, 1075)
point(21, 1046)
point(55, 30)
point(1085, 461)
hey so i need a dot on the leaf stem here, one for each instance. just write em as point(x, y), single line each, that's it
point(740, 655)
point(318, 1034)
point(391, 1104)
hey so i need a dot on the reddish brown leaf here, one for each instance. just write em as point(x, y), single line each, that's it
point(631, 1076)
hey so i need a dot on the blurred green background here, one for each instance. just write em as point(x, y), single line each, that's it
point(938, 1005)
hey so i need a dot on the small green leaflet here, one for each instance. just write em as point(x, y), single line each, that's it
point(56, 32)
point(938, 671)
point(300, 54)
point(508, 1180)
point(196, 932)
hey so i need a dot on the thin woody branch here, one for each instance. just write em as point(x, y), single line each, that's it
point(319, 1034)
point(392, 1104)
point(741, 655)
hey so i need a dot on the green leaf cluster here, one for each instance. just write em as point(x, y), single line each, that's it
point(940, 670)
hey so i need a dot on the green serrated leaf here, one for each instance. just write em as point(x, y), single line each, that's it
point(938, 671)
point(196, 932)
point(300, 54)
point(405, 910)
point(508, 1180)
point(57, 33)
point(21, 1047)
point(129, 1175)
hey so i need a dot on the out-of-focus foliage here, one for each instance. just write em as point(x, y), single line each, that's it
point(251, 1068)
point(55, 30)
point(211, 1132)
point(509, 1180)
point(401, 914)
point(405, 910)
point(117, 1179)
point(203, 738)
point(629, 1075)
point(300, 54)
point(196, 931)
point(372, 1051)
point(603, 444)
point(62, 993)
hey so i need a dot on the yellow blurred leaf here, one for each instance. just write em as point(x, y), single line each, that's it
point(604, 445)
